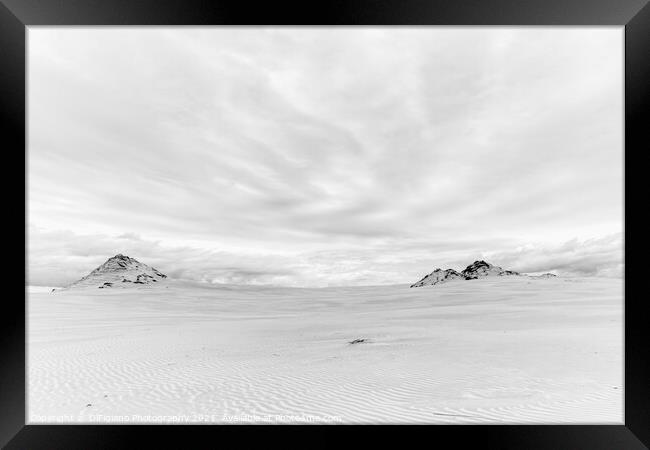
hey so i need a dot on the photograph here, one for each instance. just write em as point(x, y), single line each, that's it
point(324, 225)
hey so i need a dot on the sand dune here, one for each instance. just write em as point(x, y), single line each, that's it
point(502, 350)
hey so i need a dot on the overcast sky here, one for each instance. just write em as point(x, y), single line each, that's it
point(322, 156)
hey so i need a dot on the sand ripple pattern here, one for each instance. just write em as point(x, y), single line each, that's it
point(497, 359)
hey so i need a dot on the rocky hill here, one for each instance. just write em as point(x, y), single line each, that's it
point(438, 276)
point(120, 271)
point(475, 270)
point(483, 269)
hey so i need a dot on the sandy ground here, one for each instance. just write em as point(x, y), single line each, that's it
point(506, 350)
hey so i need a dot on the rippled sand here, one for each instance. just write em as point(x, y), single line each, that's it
point(501, 350)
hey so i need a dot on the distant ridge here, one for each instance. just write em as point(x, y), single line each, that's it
point(475, 270)
point(484, 269)
point(438, 276)
point(544, 275)
point(122, 271)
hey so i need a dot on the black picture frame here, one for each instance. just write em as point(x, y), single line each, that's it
point(634, 15)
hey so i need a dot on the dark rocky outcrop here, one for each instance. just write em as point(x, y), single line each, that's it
point(482, 269)
point(120, 269)
point(474, 271)
point(438, 276)
point(509, 272)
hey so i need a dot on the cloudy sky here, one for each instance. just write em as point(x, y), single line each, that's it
point(322, 156)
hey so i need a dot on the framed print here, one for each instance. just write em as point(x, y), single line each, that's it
point(361, 213)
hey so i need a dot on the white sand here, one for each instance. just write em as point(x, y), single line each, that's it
point(506, 350)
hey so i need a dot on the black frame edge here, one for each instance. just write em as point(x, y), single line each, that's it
point(12, 118)
point(534, 437)
point(637, 100)
point(635, 15)
point(328, 12)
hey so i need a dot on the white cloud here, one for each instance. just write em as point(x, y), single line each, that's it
point(325, 148)
point(600, 256)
